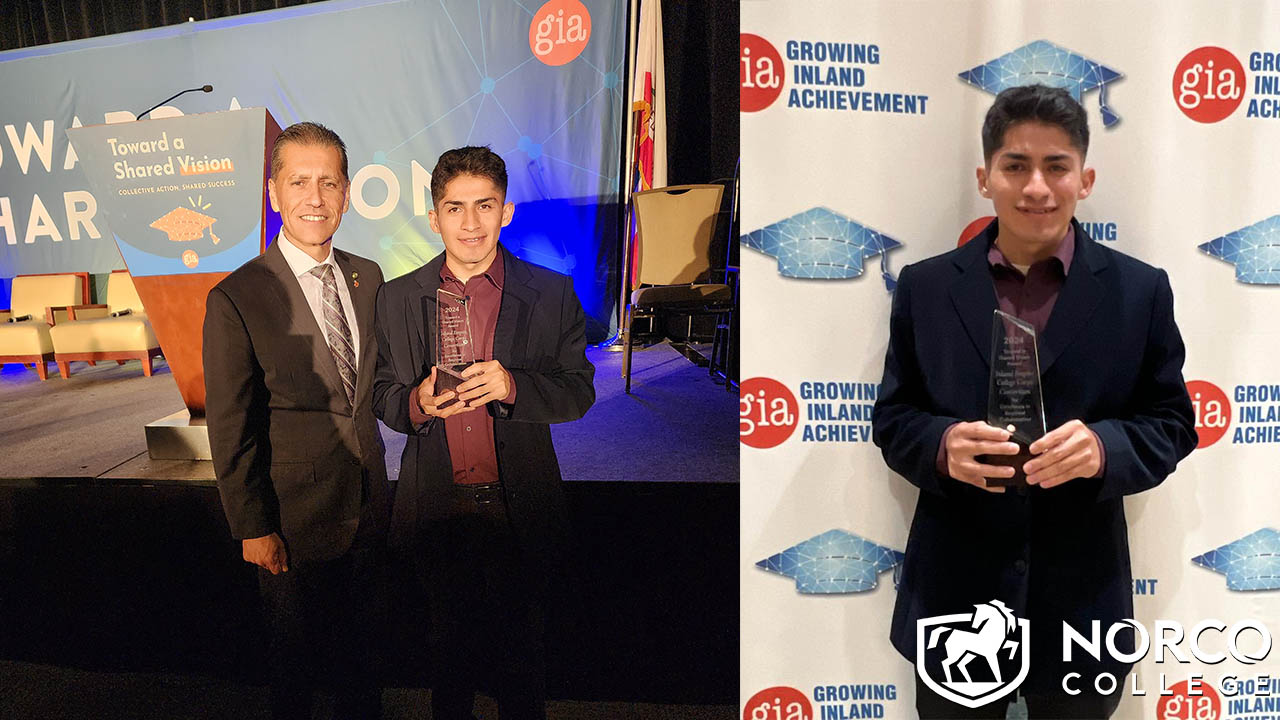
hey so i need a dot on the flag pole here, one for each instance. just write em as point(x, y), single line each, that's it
point(627, 177)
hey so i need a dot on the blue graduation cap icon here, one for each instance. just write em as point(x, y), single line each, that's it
point(823, 244)
point(1254, 250)
point(1250, 563)
point(837, 561)
point(1042, 62)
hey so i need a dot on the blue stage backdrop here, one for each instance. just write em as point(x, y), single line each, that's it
point(400, 81)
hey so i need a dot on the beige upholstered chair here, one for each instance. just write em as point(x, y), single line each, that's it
point(675, 225)
point(92, 333)
point(41, 300)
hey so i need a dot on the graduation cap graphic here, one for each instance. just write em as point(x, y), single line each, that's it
point(835, 562)
point(1254, 250)
point(823, 244)
point(1250, 563)
point(1042, 62)
point(184, 225)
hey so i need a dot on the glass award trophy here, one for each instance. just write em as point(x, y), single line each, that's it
point(1014, 401)
point(455, 349)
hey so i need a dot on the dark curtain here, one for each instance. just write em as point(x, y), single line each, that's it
point(700, 39)
point(27, 23)
point(701, 55)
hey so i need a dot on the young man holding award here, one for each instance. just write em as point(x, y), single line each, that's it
point(478, 352)
point(1032, 339)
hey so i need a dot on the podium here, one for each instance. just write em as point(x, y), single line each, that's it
point(185, 199)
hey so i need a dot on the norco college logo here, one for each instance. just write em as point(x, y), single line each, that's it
point(947, 645)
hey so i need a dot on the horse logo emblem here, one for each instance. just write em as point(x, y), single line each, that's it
point(949, 643)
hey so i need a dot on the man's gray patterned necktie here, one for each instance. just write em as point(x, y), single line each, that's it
point(336, 330)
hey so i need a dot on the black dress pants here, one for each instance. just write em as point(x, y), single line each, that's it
point(327, 616)
point(486, 602)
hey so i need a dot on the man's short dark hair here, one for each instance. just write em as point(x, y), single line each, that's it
point(470, 160)
point(1035, 103)
point(308, 133)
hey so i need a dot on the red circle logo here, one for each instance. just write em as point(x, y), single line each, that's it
point(1208, 84)
point(1182, 705)
point(559, 31)
point(760, 72)
point(767, 413)
point(778, 703)
point(1213, 411)
point(974, 229)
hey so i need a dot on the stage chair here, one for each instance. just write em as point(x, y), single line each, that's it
point(674, 230)
point(116, 331)
point(41, 299)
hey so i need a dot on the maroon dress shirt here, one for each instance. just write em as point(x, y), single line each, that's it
point(1029, 298)
point(470, 434)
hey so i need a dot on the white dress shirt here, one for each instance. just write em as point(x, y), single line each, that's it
point(312, 287)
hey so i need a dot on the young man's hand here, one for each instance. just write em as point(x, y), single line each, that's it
point(433, 405)
point(966, 440)
point(1068, 452)
point(486, 381)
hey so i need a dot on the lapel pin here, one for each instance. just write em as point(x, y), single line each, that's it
point(355, 279)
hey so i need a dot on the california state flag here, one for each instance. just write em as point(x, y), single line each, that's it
point(648, 96)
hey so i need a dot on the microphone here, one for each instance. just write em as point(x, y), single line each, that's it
point(122, 313)
point(19, 318)
point(203, 88)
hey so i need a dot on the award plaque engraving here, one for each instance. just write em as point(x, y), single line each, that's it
point(455, 349)
point(1014, 401)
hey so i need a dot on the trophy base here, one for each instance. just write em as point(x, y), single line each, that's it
point(1019, 479)
point(449, 377)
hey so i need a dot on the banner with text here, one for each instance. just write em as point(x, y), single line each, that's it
point(400, 81)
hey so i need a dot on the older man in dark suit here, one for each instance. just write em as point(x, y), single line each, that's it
point(478, 504)
point(1116, 408)
point(289, 353)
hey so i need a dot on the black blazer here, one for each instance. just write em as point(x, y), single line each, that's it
point(288, 448)
point(540, 339)
point(1110, 356)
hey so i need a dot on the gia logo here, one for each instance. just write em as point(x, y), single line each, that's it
point(760, 72)
point(778, 703)
point(559, 31)
point(947, 644)
point(1208, 84)
point(767, 413)
point(1213, 411)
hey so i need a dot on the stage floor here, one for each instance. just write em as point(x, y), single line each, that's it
point(677, 425)
point(43, 691)
point(119, 571)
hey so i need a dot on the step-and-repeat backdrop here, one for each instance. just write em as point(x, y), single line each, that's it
point(401, 82)
point(860, 131)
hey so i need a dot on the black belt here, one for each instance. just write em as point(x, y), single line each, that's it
point(488, 494)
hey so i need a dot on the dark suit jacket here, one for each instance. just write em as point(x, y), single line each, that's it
point(288, 449)
point(540, 339)
point(1110, 356)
